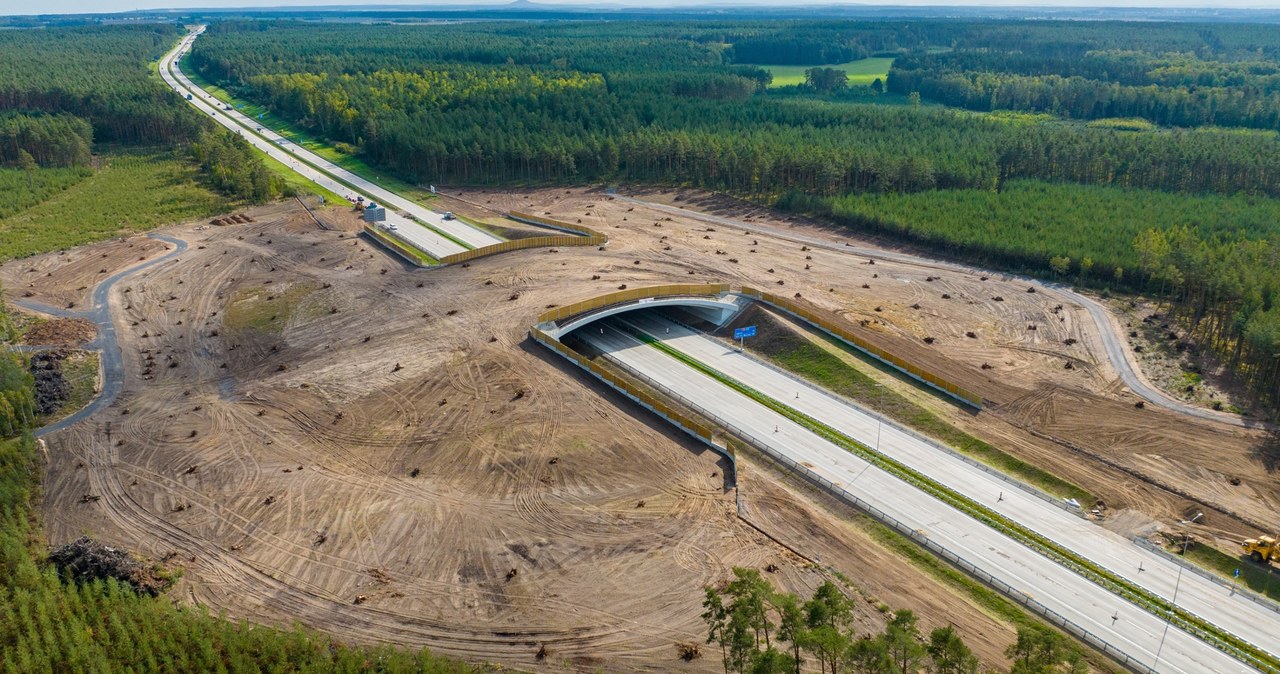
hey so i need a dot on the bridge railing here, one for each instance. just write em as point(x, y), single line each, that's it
point(580, 236)
point(624, 296)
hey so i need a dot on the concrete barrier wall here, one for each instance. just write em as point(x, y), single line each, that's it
point(405, 250)
point(683, 421)
point(585, 236)
point(521, 244)
point(554, 224)
point(623, 296)
point(581, 236)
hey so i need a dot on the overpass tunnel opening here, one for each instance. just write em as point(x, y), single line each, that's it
point(653, 320)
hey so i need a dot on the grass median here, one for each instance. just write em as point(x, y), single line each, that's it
point(818, 363)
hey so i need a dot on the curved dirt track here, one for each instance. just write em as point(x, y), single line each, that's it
point(110, 362)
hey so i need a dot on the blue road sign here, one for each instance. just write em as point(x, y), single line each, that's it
point(1237, 574)
point(741, 333)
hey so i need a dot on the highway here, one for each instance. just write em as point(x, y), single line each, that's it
point(1109, 331)
point(448, 237)
point(1134, 630)
point(1215, 602)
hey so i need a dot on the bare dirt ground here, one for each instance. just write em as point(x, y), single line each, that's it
point(65, 279)
point(1169, 360)
point(315, 432)
point(1079, 422)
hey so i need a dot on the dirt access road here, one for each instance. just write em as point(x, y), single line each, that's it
point(1119, 355)
point(110, 361)
point(317, 433)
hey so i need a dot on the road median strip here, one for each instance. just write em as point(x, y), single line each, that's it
point(173, 64)
point(1145, 599)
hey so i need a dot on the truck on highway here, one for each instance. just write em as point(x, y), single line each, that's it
point(448, 215)
point(1262, 549)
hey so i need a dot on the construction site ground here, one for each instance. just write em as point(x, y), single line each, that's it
point(314, 431)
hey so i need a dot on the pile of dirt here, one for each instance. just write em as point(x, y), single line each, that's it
point(233, 219)
point(52, 389)
point(61, 332)
point(85, 559)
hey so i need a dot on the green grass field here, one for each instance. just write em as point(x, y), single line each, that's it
point(861, 72)
point(22, 190)
point(267, 312)
point(132, 192)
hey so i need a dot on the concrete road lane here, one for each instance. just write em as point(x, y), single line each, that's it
point(1216, 602)
point(1124, 626)
point(327, 174)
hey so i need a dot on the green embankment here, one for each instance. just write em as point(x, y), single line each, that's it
point(861, 72)
point(1260, 578)
point(821, 366)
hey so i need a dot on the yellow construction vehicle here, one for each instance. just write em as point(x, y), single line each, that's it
point(1263, 549)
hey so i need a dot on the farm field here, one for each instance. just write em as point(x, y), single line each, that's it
point(351, 383)
point(861, 72)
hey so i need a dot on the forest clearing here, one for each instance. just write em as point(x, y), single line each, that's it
point(355, 383)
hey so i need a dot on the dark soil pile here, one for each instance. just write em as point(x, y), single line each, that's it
point(86, 560)
point(52, 389)
point(61, 332)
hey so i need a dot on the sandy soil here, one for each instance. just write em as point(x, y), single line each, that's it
point(1081, 421)
point(317, 433)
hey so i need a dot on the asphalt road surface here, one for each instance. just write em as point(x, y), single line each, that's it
point(327, 174)
point(1124, 626)
point(1113, 338)
point(1216, 602)
point(110, 360)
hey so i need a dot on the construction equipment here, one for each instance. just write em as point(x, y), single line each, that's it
point(1262, 549)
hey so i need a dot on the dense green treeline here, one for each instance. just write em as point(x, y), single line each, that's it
point(1184, 105)
point(1084, 222)
point(1226, 294)
point(760, 630)
point(679, 120)
point(99, 74)
point(48, 140)
point(62, 89)
point(1172, 75)
point(233, 167)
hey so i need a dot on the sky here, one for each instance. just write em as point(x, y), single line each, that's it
point(78, 6)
